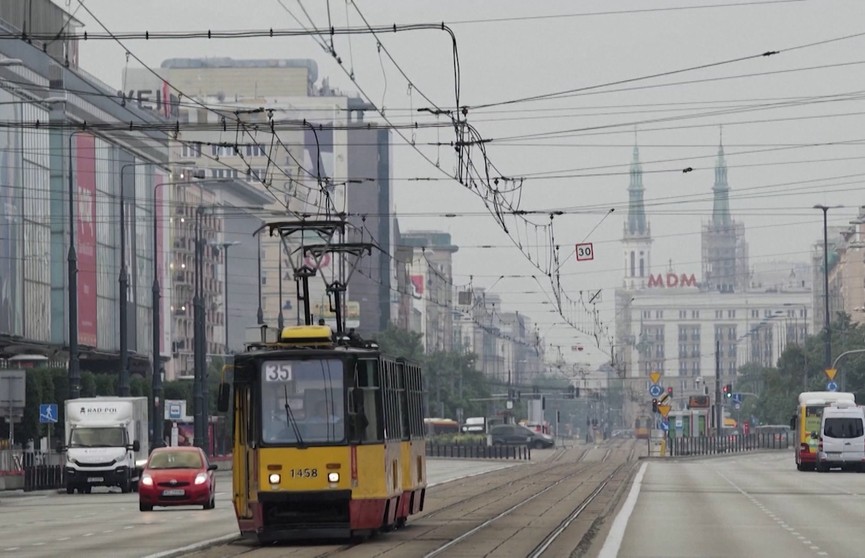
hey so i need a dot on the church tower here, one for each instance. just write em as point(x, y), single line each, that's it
point(637, 239)
point(725, 252)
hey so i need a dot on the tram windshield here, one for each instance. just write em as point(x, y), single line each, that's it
point(302, 401)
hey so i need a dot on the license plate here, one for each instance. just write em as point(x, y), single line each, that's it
point(95, 479)
point(174, 492)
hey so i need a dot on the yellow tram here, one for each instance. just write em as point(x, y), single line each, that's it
point(329, 437)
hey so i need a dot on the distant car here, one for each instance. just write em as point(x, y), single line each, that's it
point(177, 476)
point(515, 434)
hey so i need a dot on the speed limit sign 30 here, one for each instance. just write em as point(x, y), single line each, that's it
point(585, 252)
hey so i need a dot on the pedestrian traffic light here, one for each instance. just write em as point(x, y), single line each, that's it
point(654, 405)
point(670, 391)
point(728, 391)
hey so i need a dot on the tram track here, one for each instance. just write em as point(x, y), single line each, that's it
point(518, 511)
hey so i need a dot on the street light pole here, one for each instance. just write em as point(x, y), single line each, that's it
point(199, 332)
point(225, 246)
point(123, 384)
point(827, 343)
point(72, 271)
point(156, 366)
point(260, 314)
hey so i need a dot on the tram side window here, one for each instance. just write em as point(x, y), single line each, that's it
point(402, 393)
point(365, 402)
point(415, 400)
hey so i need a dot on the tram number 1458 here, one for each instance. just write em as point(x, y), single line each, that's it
point(304, 473)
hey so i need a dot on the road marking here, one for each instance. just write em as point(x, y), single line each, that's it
point(38, 544)
point(130, 527)
point(193, 547)
point(753, 500)
point(108, 531)
point(87, 535)
point(63, 539)
point(11, 548)
point(617, 530)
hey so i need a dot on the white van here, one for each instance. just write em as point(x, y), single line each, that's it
point(841, 442)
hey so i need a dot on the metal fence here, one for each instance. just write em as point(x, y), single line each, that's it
point(41, 470)
point(709, 445)
point(478, 451)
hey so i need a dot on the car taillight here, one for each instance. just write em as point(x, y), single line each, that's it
point(820, 444)
point(804, 448)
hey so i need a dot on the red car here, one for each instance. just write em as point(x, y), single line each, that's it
point(178, 476)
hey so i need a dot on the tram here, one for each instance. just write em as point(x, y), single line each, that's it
point(329, 437)
point(642, 427)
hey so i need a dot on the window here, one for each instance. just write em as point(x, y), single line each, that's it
point(302, 400)
point(695, 314)
point(254, 150)
point(190, 151)
point(683, 314)
point(731, 313)
point(659, 315)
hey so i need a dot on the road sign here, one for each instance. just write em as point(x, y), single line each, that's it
point(655, 390)
point(832, 386)
point(737, 398)
point(737, 405)
point(665, 426)
point(664, 410)
point(585, 252)
point(654, 376)
point(830, 373)
point(48, 413)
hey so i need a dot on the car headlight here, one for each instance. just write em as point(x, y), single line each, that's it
point(333, 477)
point(274, 478)
point(201, 478)
point(146, 480)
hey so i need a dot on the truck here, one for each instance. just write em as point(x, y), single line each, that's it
point(106, 442)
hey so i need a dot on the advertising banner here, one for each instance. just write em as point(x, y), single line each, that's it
point(85, 178)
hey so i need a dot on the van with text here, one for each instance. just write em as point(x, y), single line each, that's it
point(807, 423)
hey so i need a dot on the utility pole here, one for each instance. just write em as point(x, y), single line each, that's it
point(719, 415)
point(199, 358)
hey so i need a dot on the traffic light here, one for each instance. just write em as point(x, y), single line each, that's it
point(572, 394)
point(576, 392)
point(654, 405)
point(670, 391)
point(728, 391)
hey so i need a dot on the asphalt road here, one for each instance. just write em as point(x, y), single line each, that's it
point(747, 505)
point(108, 524)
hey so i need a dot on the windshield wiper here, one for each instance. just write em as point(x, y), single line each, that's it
point(289, 418)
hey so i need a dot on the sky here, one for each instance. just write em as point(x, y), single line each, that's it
point(673, 76)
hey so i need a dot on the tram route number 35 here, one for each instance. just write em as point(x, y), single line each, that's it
point(585, 252)
point(277, 372)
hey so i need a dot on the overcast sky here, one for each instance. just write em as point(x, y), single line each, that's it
point(792, 122)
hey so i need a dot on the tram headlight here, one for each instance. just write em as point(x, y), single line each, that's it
point(274, 478)
point(333, 477)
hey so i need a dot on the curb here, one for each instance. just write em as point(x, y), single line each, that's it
point(201, 545)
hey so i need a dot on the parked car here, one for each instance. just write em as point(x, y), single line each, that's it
point(177, 476)
point(515, 434)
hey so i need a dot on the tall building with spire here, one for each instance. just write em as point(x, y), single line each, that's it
point(687, 330)
point(637, 238)
point(725, 252)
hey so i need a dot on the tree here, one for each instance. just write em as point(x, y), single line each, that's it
point(401, 343)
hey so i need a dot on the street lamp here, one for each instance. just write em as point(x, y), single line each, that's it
point(123, 384)
point(827, 346)
point(72, 284)
point(156, 368)
point(225, 246)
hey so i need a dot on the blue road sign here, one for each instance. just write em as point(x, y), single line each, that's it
point(174, 411)
point(665, 426)
point(47, 412)
point(737, 398)
point(655, 390)
point(832, 386)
